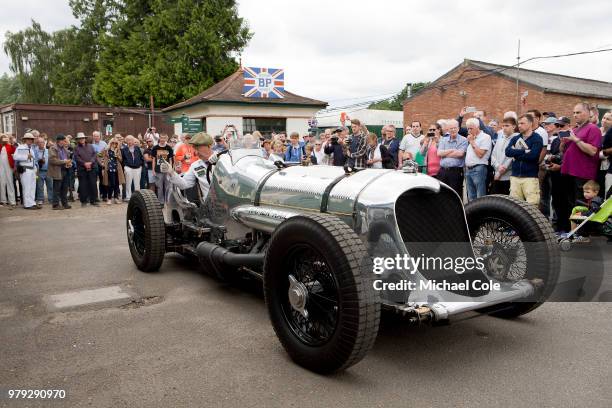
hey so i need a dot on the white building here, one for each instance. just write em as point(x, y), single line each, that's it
point(224, 104)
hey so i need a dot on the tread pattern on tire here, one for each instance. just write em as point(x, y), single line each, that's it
point(540, 228)
point(155, 234)
point(360, 337)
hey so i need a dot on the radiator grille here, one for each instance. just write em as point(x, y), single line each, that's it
point(433, 225)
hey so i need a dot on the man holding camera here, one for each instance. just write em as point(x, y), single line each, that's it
point(152, 132)
point(580, 156)
point(335, 148)
point(357, 146)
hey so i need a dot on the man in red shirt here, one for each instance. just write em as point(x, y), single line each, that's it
point(580, 155)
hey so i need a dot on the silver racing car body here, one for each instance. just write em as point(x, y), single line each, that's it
point(252, 219)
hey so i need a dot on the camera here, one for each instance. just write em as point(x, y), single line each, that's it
point(431, 134)
point(552, 159)
point(334, 139)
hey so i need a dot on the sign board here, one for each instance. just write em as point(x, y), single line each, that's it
point(188, 125)
point(263, 82)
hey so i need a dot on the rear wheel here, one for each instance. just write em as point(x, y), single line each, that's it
point(517, 242)
point(319, 293)
point(146, 230)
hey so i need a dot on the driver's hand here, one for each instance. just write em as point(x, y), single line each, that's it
point(166, 168)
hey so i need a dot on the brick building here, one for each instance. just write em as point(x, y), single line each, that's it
point(493, 88)
point(16, 118)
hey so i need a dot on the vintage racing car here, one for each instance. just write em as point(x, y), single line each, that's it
point(310, 234)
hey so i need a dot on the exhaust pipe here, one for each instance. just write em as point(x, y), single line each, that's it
point(219, 258)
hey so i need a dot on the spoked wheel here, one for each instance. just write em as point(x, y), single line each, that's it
point(516, 242)
point(146, 230)
point(319, 293)
point(311, 304)
point(502, 249)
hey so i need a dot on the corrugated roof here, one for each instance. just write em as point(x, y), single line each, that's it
point(549, 82)
point(230, 90)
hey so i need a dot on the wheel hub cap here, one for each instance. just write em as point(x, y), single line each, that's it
point(130, 230)
point(298, 296)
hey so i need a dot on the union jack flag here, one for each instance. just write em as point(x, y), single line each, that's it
point(263, 82)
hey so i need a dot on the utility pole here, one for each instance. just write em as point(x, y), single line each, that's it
point(518, 64)
point(151, 120)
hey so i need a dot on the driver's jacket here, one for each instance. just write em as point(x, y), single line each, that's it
point(197, 171)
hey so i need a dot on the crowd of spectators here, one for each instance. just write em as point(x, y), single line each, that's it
point(536, 157)
point(88, 168)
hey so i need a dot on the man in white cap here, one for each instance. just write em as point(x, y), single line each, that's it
point(26, 168)
point(198, 169)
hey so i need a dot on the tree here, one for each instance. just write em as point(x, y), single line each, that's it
point(395, 103)
point(79, 50)
point(171, 49)
point(32, 56)
point(10, 90)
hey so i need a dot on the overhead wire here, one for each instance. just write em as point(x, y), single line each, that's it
point(489, 72)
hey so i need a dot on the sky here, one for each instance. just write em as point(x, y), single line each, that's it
point(345, 52)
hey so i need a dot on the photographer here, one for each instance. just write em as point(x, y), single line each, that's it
point(336, 148)
point(152, 132)
point(357, 145)
point(429, 149)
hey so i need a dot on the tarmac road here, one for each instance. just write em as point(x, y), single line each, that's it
point(184, 339)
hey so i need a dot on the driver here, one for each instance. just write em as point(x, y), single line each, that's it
point(197, 170)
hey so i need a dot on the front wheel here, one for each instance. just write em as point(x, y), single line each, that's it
point(146, 230)
point(517, 243)
point(319, 293)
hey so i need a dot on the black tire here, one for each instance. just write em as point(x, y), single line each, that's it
point(146, 231)
point(331, 262)
point(541, 251)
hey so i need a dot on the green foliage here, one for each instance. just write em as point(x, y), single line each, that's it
point(171, 49)
point(9, 89)
point(396, 102)
point(33, 57)
point(126, 50)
